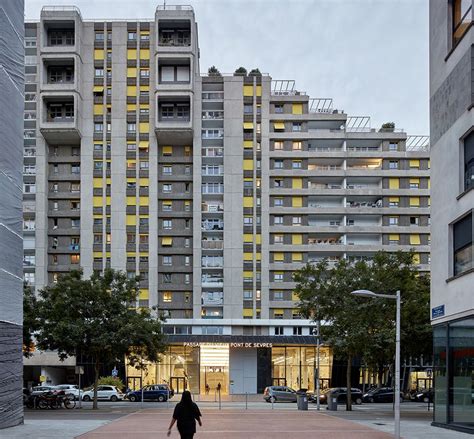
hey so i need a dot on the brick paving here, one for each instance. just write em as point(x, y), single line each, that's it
point(233, 424)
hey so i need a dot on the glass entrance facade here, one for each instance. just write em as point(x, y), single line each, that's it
point(202, 367)
point(454, 373)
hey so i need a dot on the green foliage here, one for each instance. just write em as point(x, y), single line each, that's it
point(255, 72)
point(112, 381)
point(95, 317)
point(241, 71)
point(30, 323)
point(356, 326)
point(213, 71)
point(388, 126)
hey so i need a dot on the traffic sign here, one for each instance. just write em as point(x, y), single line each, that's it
point(79, 370)
point(114, 372)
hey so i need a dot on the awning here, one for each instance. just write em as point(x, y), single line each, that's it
point(279, 340)
point(279, 125)
point(248, 125)
point(98, 89)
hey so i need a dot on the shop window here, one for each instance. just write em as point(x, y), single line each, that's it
point(468, 164)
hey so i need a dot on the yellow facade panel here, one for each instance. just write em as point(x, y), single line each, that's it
point(248, 164)
point(247, 312)
point(97, 202)
point(259, 90)
point(297, 202)
point(297, 257)
point(248, 256)
point(131, 107)
point(297, 239)
point(278, 257)
point(131, 72)
point(414, 201)
point(415, 240)
point(248, 201)
point(297, 109)
point(248, 238)
point(248, 90)
point(414, 163)
point(143, 144)
point(167, 241)
point(131, 220)
point(98, 109)
point(98, 53)
point(279, 125)
point(144, 53)
point(394, 237)
point(297, 183)
point(131, 53)
point(394, 183)
point(248, 125)
point(248, 144)
point(144, 127)
point(144, 201)
point(97, 182)
point(131, 90)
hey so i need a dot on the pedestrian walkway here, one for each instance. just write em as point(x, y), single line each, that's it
point(233, 424)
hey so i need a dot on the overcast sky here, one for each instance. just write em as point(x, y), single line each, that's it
point(370, 56)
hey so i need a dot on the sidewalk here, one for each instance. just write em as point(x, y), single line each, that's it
point(233, 424)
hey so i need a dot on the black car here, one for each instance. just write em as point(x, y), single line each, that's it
point(341, 392)
point(382, 394)
point(425, 395)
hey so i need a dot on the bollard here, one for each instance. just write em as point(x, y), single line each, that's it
point(215, 395)
point(168, 398)
point(246, 398)
point(219, 400)
point(273, 400)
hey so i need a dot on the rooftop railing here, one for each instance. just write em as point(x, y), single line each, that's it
point(165, 7)
point(418, 143)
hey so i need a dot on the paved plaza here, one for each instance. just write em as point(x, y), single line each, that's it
point(130, 420)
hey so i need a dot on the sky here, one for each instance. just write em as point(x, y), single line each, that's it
point(370, 56)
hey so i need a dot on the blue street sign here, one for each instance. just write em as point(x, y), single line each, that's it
point(114, 372)
point(437, 311)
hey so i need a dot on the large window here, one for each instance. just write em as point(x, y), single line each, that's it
point(468, 162)
point(462, 243)
point(462, 18)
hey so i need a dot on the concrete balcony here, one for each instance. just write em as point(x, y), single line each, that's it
point(173, 122)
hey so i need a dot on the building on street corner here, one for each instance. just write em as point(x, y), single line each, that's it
point(213, 188)
point(452, 158)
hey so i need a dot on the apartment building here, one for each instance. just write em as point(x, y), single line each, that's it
point(452, 134)
point(11, 146)
point(212, 188)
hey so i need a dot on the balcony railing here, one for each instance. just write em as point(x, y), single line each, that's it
point(212, 226)
point(212, 245)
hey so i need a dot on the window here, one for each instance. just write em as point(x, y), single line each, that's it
point(463, 246)
point(131, 127)
point(167, 224)
point(278, 220)
point(167, 187)
point(279, 108)
point(297, 146)
point(296, 126)
point(167, 170)
point(278, 202)
point(99, 36)
point(167, 278)
point(278, 330)
point(278, 164)
point(393, 146)
point(278, 295)
point(167, 296)
point(278, 277)
point(132, 36)
point(393, 239)
point(278, 146)
point(393, 221)
point(296, 164)
point(296, 221)
point(297, 330)
point(469, 161)
point(393, 164)
point(167, 260)
point(462, 18)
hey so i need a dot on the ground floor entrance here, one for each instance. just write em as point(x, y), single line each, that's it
point(237, 368)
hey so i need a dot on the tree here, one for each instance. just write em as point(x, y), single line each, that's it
point(96, 317)
point(30, 322)
point(213, 71)
point(255, 72)
point(356, 326)
point(112, 381)
point(241, 71)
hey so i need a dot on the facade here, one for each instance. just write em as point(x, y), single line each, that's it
point(11, 282)
point(213, 189)
point(452, 136)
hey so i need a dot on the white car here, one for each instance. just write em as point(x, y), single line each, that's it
point(104, 392)
point(39, 390)
point(69, 390)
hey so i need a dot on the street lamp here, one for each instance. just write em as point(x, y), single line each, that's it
point(316, 332)
point(396, 392)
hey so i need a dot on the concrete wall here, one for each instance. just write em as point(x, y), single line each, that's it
point(451, 118)
point(243, 371)
point(11, 243)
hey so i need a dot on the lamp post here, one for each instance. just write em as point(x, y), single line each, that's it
point(396, 392)
point(316, 332)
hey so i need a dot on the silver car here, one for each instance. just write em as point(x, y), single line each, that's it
point(280, 394)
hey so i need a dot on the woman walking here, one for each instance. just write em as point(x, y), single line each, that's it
point(186, 413)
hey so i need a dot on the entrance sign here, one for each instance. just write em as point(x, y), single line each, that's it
point(195, 344)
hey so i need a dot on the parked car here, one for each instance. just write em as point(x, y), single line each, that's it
point(341, 392)
point(280, 394)
point(70, 390)
point(425, 395)
point(39, 390)
point(383, 394)
point(108, 393)
point(152, 392)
